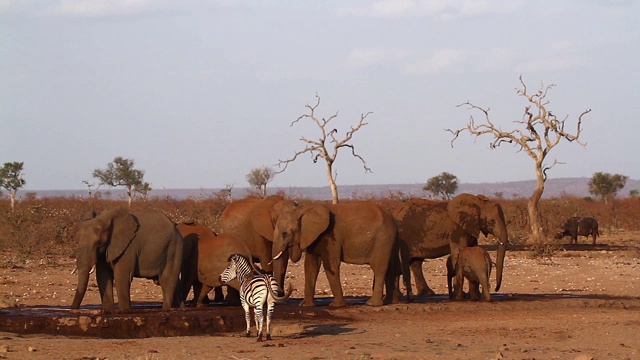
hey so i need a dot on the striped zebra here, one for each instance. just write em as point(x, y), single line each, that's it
point(256, 290)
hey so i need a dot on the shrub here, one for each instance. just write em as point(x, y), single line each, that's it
point(47, 227)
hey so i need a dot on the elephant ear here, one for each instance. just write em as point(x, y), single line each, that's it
point(89, 215)
point(263, 222)
point(313, 222)
point(264, 219)
point(464, 210)
point(123, 229)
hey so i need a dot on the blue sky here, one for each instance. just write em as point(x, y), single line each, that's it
point(198, 93)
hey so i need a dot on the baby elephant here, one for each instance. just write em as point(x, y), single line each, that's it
point(474, 263)
point(584, 226)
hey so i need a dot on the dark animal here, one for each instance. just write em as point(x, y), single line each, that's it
point(576, 225)
point(256, 291)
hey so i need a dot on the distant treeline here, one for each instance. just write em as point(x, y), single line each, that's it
point(509, 190)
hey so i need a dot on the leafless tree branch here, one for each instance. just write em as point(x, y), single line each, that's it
point(538, 133)
point(320, 149)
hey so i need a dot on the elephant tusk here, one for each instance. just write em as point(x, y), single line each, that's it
point(75, 270)
point(277, 256)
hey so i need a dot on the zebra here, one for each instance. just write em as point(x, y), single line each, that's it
point(256, 290)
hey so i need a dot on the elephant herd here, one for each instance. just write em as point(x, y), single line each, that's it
point(393, 241)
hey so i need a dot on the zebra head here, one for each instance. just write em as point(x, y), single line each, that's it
point(230, 272)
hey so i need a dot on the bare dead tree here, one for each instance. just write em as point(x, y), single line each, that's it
point(541, 131)
point(327, 146)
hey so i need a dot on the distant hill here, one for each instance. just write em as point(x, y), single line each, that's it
point(553, 188)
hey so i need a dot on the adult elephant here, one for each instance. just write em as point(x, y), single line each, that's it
point(358, 232)
point(192, 232)
point(213, 258)
point(124, 245)
point(431, 229)
point(252, 220)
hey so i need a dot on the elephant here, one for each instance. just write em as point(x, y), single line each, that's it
point(474, 264)
point(358, 232)
point(431, 229)
point(252, 220)
point(575, 226)
point(213, 255)
point(124, 245)
point(192, 232)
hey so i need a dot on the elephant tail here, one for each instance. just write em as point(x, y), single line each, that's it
point(274, 292)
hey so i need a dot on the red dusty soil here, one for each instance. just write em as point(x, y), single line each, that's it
point(583, 303)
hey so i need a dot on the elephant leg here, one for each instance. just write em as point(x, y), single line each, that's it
point(171, 290)
point(311, 271)
point(218, 294)
point(332, 270)
point(392, 282)
point(474, 290)
point(486, 292)
point(233, 296)
point(451, 274)
point(202, 294)
point(197, 288)
point(459, 283)
point(123, 288)
point(458, 292)
point(422, 289)
point(104, 277)
point(391, 293)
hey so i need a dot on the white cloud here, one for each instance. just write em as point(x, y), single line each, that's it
point(561, 55)
point(363, 57)
point(557, 56)
point(442, 60)
point(444, 9)
point(551, 63)
point(100, 8)
point(97, 8)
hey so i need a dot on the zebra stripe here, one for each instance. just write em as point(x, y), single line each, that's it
point(256, 291)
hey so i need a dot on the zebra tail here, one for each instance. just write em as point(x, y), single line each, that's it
point(277, 298)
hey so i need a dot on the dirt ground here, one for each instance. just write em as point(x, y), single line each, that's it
point(583, 303)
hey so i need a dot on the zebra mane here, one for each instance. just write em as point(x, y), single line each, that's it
point(247, 260)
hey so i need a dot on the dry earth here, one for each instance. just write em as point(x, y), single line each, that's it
point(581, 304)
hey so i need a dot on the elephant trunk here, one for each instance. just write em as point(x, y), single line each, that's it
point(503, 240)
point(280, 269)
point(84, 264)
point(295, 253)
point(83, 281)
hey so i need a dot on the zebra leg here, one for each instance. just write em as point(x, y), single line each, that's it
point(259, 320)
point(247, 318)
point(270, 307)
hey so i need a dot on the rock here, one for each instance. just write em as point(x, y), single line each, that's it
point(583, 357)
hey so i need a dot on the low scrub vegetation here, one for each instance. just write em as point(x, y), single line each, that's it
point(45, 229)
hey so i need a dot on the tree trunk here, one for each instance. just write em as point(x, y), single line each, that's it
point(332, 184)
point(130, 197)
point(537, 234)
point(12, 197)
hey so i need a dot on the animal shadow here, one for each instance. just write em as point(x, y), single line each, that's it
point(314, 330)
